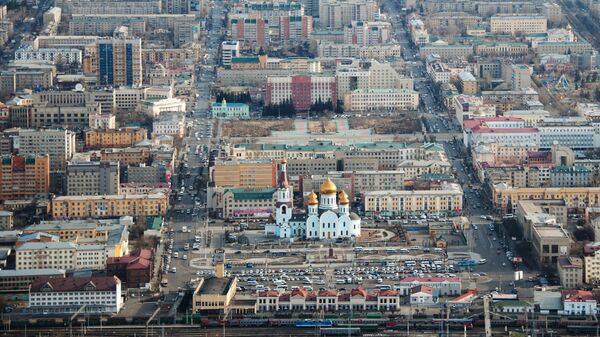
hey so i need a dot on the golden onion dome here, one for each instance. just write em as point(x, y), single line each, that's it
point(312, 199)
point(328, 187)
point(344, 198)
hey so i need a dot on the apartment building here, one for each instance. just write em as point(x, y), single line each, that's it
point(110, 7)
point(574, 197)
point(518, 24)
point(446, 51)
point(77, 207)
point(243, 203)
point(335, 14)
point(446, 200)
point(93, 178)
point(295, 28)
point(60, 255)
point(378, 100)
point(301, 90)
point(114, 138)
point(24, 176)
point(467, 83)
point(158, 172)
point(120, 62)
point(21, 76)
point(53, 295)
point(570, 271)
point(591, 272)
point(229, 50)
point(570, 176)
point(126, 156)
point(250, 31)
point(66, 56)
point(339, 50)
point(468, 107)
point(61, 108)
point(249, 173)
point(368, 33)
point(58, 144)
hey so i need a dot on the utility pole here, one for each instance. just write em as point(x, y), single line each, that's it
point(486, 310)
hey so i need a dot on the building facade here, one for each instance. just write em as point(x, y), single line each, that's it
point(24, 177)
point(93, 178)
point(78, 207)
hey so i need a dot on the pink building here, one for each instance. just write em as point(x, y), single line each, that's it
point(301, 90)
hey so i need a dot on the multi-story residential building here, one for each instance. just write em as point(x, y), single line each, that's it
point(6, 220)
point(23, 177)
point(518, 24)
point(229, 50)
point(356, 157)
point(20, 76)
point(295, 28)
point(532, 118)
point(68, 294)
point(467, 107)
point(241, 203)
point(570, 271)
point(339, 50)
point(467, 83)
point(591, 263)
point(570, 176)
point(574, 197)
point(531, 213)
point(565, 47)
point(156, 173)
point(299, 300)
point(367, 33)
point(301, 90)
point(367, 75)
point(447, 20)
point(58, 144)
point(446, 51)
point(520, 77)
point(75, 207)
point(250, 31)
point(120, 62)
point(225, 110)
point(110, 7)
point(66, 56)
point(579, 302)
point(93, 178)
point(172, 124)
point(126, 156)
point(439, 72)
point(250, 173)
point(504, 49)
point(361, 100)
point(552, 11)
point(61, 255)
point(335, 14)
point(446, 200)
point(108, 138)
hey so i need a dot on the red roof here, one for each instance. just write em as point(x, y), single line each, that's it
point(421, 289)
point(429, 279)
point(389, 293)
point(358, 292)
point(299, 292)
point(330, 293)
point(65, 284)
point(284, 297)
point(577, 296)
point(140, 259)
point(311, 297)
point(344, 297)
point(371, 298)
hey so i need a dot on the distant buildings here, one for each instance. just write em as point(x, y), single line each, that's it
point(93, 178)
point(226, 110)
point(120, 62)
point(24, 177)
point(301, 90)
point(81, 207)
point(518, 24)
point(108, 138)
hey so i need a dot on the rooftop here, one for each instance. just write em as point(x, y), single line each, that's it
point(214, 285)
point(59, 284)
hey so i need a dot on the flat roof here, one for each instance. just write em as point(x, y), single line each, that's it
point(551, 232)
point(216, 285)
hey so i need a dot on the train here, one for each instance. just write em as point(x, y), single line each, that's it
point(309, 323)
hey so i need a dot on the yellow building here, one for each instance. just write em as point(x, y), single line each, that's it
point(446, 200)
point(126, 156)
point(515, 23)
point(123, 137)
point(244, 173)
point(574, 197)
point(77, 207)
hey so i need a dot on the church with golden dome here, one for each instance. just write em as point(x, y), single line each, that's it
point(327, 216)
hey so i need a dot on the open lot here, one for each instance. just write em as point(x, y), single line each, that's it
point(262, 128)
point(386, 125)
point(322, 126)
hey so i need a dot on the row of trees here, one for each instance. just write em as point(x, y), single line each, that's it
point(287, 109)
point(243, 97)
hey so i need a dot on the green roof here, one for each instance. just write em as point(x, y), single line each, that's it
point(570, 169)
point(245, 59)
point(154, 223)
point(251, 194)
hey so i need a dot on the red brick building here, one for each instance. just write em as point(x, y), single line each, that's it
point(134, 270)
point(301, 90)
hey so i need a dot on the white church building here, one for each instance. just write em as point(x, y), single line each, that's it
point(327, 217)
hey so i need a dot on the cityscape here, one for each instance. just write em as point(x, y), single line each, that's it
point(237, 168)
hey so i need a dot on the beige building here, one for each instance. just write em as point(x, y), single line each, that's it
point(531, 213)
point(335, 14)
point(59, 144)
point(122, 137)
point(6, 220)
point(549, 243)
point(243, 203)
point(244, 173)
point(120, 62)
point(591, 263)
point(446, 200)
point(467, 83)
point(77, 207)
point(574, 197)
point(518, 24)
point(126, 156)
point(369, 75)
point(381, 100)
point(570, 271)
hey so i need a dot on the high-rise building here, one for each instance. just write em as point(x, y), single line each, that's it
point(24, 177)
point(93, 178)
point(59, 144)
point(251, 31)
point(120, 62)
point(229, 50)
point(336, 14)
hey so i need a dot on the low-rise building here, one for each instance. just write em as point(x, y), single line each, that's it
point(570, 271)
point(226, 110)
point(579, 303)
point(172, 124)
point(18, 281)
point(126, 156)
point(77, 207)
point(446, 200)
point(135, 270)
point(52, 295)
point(440, 286)
point(570, 176)
point(421, 296)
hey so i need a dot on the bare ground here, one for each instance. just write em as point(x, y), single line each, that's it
point(261, 128)
point(386, 125)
